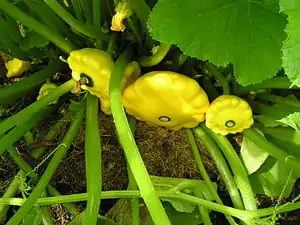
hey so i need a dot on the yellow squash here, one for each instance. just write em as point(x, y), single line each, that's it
point(229, 114)
point(166, 99)
point(16, 67)
point(98, 66)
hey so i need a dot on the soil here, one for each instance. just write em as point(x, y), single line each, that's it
point(165, 153)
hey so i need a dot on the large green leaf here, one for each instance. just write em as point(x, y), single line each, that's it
point(291, 46)
point(243, 32)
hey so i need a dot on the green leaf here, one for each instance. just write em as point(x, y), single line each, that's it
point(179, 218)
point(292, 120)
point(268, 121)
point(273, 179)
point(291, 45)
point(33, 40)
point(252, 155)
point(246, 33)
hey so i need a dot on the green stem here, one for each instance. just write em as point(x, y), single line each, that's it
point(213, 70)
point(87, 11)
point(142, 10)
point(96, 5)
point(135, 32)
point(157, 57)
point(238, 169)
point(29, 111)
point(77, 9)
point(126, 138)
point(289, 160)
point(14, 12)
point(202, 210)
point(111, 44)
point(8, 140)
point(92, 161)
point(135, 202)
point(221, 164)
point(69, 19)
point(50, 170)
point(204, 173)
point(245, 215)
point(11, 93)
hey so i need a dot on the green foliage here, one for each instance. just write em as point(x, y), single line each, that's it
point(273, 179)
point(291, 45)
point(253, 156)
point(292, 120)
point(245, 33)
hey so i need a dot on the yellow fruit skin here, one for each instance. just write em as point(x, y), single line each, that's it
point(169, 95)
point(16, 67)
point(45, 89)
point(98, 65)
point(229, 109)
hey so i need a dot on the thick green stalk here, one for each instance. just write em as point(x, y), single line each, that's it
point(132, 153)
point(18, 118)
point(77, 9)
point(238, 169)
point(157, 57)
point(289, 160)
point(96, 5)
point(87, 11)
point(69, 19)
point(245, 215)
point(142, 11)
point(14, 12)
point(204, 173)
point(221, 164)
point(9, 94)
point(92, 161)
point(50, 170)
point(8, 140)
point(135, 202)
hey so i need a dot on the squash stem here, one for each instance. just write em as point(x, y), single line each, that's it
point(212, 69)
point(126, 139)
point(142, 10)
point(205, 175)
point(238, 169)
point(221, 165)
point(92, 161)
point(157, 57)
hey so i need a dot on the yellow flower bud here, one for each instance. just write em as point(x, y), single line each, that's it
point(16, 67)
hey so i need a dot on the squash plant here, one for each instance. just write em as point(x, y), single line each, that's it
point(226, 75)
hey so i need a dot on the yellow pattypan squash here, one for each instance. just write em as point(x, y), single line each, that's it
point(98, 66)
point(229, 114)
point(166, 99)
point(16, 67)
point(45, 89)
